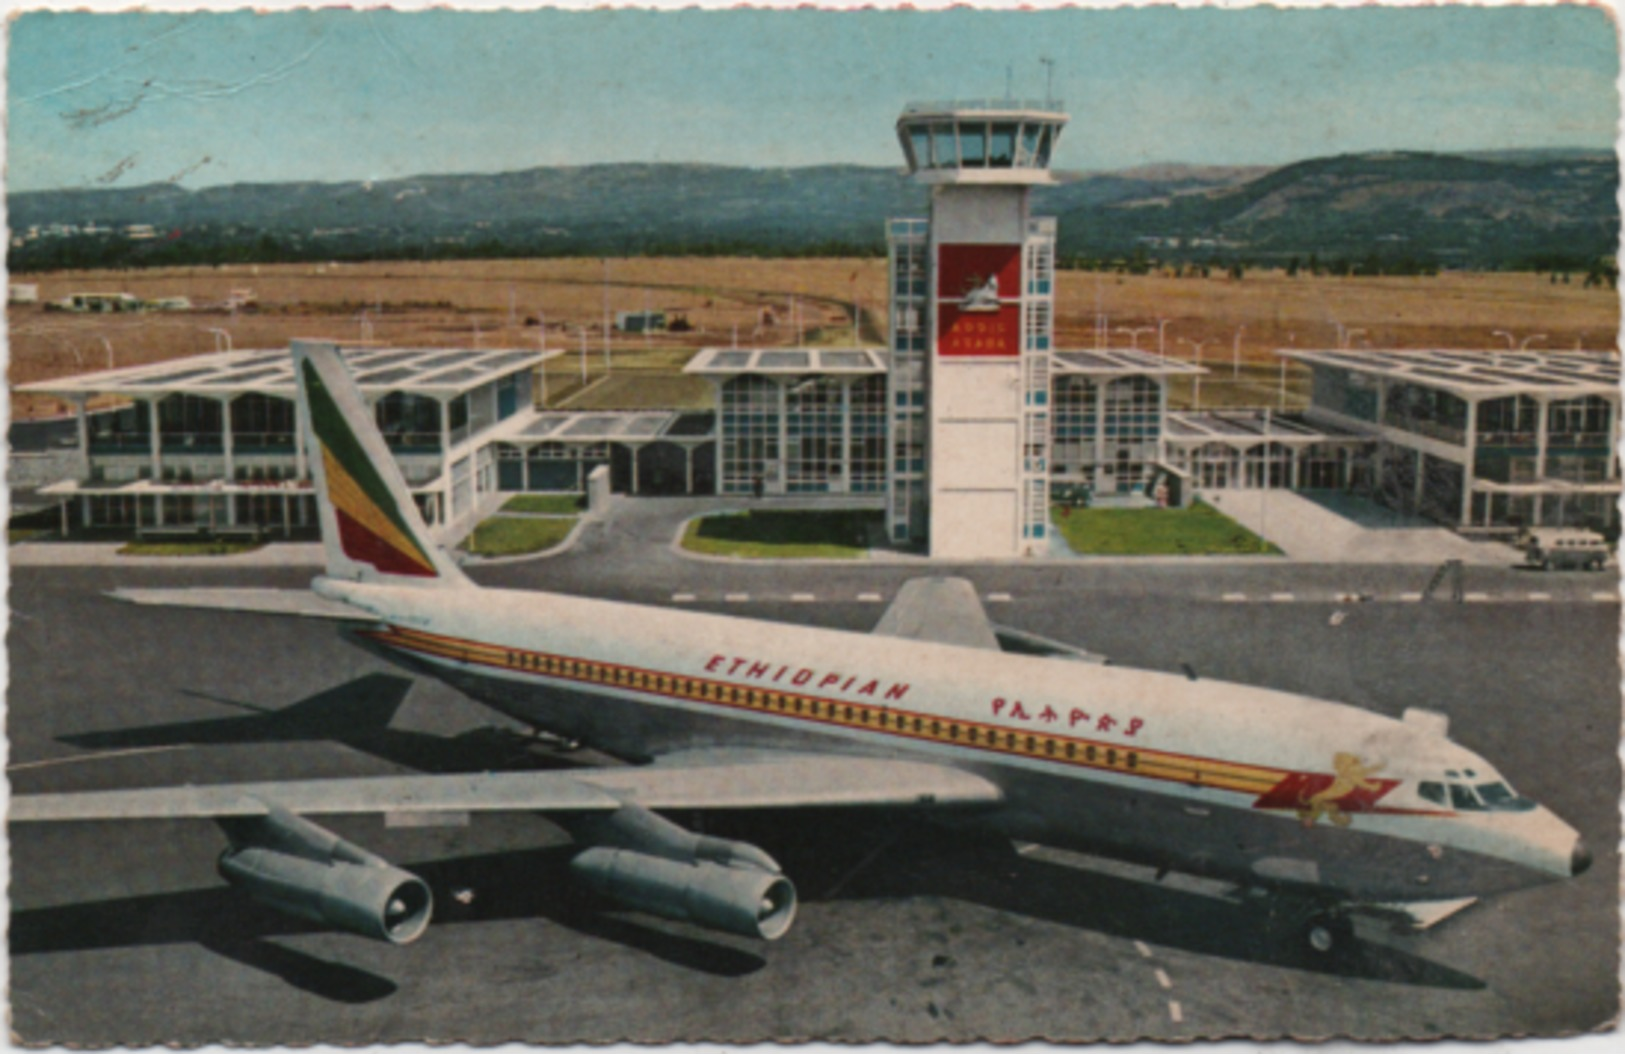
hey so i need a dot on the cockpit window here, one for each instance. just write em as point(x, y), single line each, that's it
point(1485, 797)
point(1462, 797)
point(1502, 798)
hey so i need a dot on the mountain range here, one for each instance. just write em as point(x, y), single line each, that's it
point(1479, 210)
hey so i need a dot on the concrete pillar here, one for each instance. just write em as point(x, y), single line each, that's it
point(156, 457)
point(634, 448)
point(1469, 467)
point(1611, 472)
point(228, 448)
point(64, 510)
point(446, 505)
point(84, 511)
point(82, 426)
point(1542, 437)
point(301, 452)
point(688, 470)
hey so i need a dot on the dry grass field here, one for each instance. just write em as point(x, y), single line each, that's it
point(769, 302)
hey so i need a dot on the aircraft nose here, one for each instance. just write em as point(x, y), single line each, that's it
point(1580, 859)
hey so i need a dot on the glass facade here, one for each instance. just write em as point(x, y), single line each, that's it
point(409, 421)
point(1425, 411)
point(812, 408)
point(1344, 392)
point(190, 423)
point(262, 424)
point(866, 452)
point(749, 422)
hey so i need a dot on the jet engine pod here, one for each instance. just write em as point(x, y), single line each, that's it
point(374, 900)
point(743, 900)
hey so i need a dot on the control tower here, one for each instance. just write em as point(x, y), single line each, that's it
point(972, 317)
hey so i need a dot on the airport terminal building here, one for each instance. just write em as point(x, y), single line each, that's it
point(959, 428)
point(214, 442)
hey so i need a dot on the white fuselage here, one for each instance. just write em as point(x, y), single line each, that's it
point(1200, 775)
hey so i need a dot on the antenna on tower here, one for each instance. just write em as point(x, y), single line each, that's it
point(1049, 80)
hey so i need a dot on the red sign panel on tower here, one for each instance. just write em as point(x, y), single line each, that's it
point(973, 284)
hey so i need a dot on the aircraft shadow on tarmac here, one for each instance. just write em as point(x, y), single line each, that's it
point(527, 884)
point(356, 714)
point(925, 860)
point(833, 858)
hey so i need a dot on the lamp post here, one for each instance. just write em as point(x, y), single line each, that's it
point(1196, 378)
point(1134, 334)
point(583, 330)
point(109, 346)
point(1162, 347)
point(1235, 354)
point(1523, 345)
point(219, 336)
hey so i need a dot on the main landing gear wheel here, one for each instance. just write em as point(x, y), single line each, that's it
point(1328, 935)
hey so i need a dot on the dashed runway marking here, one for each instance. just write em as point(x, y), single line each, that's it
point(1606, 598)
point(869, 598)
point(1282, 597)
point(682, 598)
point(1540, 596)
point(802, 598)
point(1175, 1012)
point(1162, 978)
point(1143, 948)
point(998, 598)
point(1475, 598)
point(1413, 597)
point(736, 598)
point(1234, 597)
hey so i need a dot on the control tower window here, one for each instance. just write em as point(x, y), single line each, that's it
point(973, 144)
point(919, 142)
point(1043, 146)
point(1029, 144)
point(946, 148)
point(1002, 149)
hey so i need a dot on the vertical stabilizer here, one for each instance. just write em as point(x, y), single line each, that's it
point(371, 528)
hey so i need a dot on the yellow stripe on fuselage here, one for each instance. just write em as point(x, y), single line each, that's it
point(346, 494)
point(866, 717)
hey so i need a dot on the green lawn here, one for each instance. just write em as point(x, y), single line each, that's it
point(514, 535)
point(839, 534)
point(1195, 531)
point(201, 547)
point(551, 504)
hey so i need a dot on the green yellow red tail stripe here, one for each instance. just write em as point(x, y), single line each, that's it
point(372, 529)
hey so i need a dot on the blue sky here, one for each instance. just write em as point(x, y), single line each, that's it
point(222, 97)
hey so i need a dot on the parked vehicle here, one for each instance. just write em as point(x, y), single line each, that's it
point(1564, 549)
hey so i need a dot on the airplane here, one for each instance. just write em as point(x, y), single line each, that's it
point(1327, 807)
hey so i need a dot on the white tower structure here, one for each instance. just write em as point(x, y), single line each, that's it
point(972, 317)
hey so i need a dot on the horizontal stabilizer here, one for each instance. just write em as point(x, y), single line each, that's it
point(939, 610)
point(1417, 915)
point(296, 602)
point(790, 781)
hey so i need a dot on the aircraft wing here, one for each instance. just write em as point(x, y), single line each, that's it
point(941, 610)
point(299, 602)
point(720, 782)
